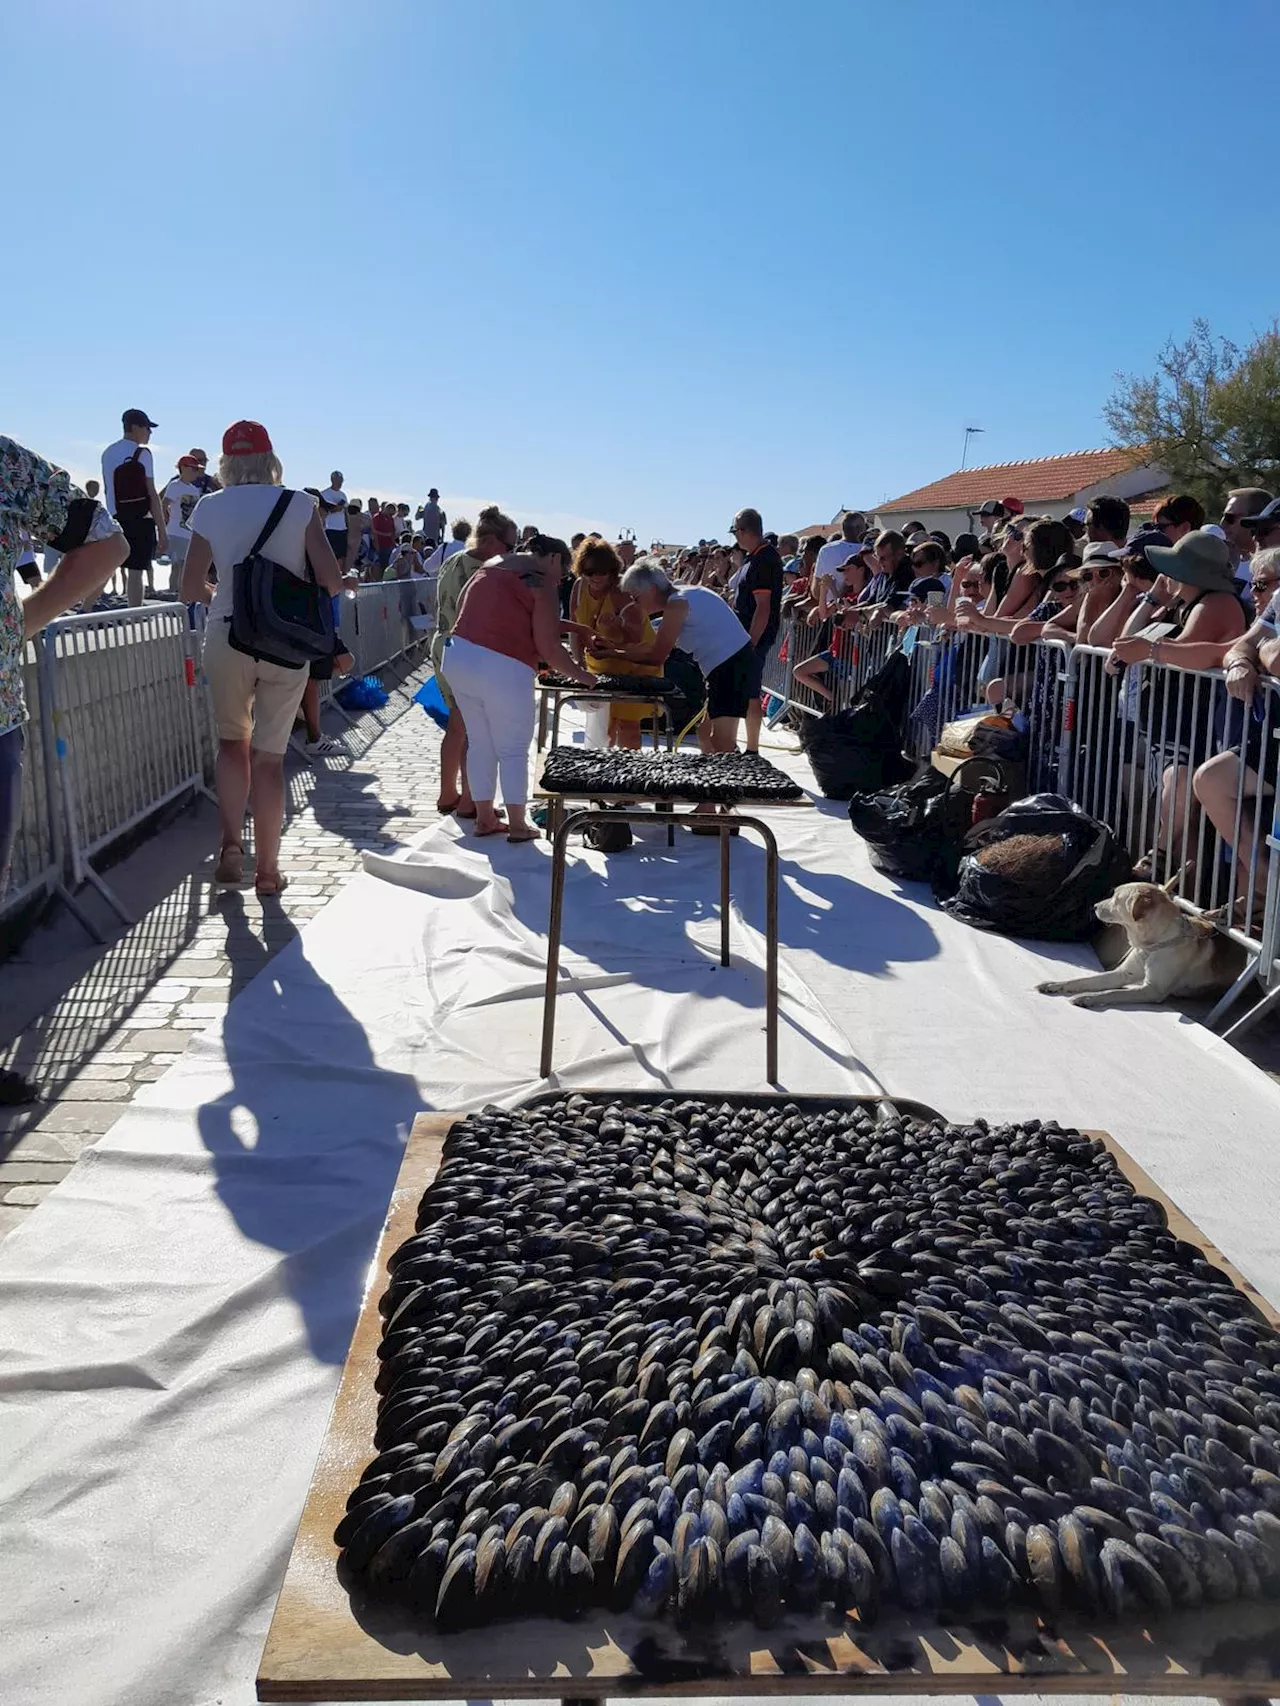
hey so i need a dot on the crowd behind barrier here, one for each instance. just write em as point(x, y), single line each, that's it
point(1124, 747)
point(121, 725)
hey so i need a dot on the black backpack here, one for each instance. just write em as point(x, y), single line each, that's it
point(275, 616)
point(130, 487)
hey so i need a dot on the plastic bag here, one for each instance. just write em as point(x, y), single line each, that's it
point(366, 694)
point(432, 701)
point(859, 751)
point(983, 734)
point(916, 831)
point(1064, 863)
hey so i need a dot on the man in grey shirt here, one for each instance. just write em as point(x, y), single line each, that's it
point(433, 519)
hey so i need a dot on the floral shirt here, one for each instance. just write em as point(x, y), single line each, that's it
point(35, 498)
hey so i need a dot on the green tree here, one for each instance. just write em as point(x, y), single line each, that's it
point(1209, 414)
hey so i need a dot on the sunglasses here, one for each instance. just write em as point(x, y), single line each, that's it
point(1263, 586)
point(1061, 586)
point(970, 586)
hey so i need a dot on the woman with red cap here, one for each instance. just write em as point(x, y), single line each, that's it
point(254, 702)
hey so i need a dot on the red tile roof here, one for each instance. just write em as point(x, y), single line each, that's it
point(1047, 480)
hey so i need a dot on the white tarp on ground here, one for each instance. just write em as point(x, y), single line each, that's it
point(176, 1313)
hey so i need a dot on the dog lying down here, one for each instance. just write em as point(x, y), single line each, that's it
point(1169, 954)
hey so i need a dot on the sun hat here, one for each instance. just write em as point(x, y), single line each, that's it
point(1198, 559)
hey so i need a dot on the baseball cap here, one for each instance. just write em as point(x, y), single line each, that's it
point(1265, 518)
point(188, 461)
point(993, 506)
point(137, 417)
point(198, 455)
point(1013, 505)
point(246, 438)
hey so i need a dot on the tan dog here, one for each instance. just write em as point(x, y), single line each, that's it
point(1169, 954)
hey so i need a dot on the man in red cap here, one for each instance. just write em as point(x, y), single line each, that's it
point(179, 498)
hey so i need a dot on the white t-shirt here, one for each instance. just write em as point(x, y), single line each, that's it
point(231, 521)
point(832, 558)
point(337, 521)
point(180, 498)
point(711, 632)
point(121, 451)
point(437, 559)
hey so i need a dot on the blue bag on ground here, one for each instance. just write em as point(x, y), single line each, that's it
point(432, 701)
point(366, 694)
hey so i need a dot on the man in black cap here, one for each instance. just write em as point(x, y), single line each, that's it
point(129, 493)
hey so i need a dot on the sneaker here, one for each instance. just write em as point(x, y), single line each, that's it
point(322, 748)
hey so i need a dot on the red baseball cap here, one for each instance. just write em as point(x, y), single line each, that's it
point(246, 438)
point(1013, 505)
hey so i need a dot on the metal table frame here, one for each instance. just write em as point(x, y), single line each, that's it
point(561, 825)
point(594, 695)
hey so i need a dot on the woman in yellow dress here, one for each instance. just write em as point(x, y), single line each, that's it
point(604, 612)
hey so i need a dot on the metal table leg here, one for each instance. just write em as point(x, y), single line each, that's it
point(559, 847)
point(555, 720)
point(564, 826)
point(542, 720)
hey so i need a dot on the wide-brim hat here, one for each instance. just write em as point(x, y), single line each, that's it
point(1198, 559)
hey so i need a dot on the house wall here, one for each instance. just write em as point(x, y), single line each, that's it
point(953, 521)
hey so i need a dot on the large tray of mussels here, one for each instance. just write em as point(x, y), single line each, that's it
point(681, 1390)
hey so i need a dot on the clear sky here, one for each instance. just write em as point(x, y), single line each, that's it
point(626, 263)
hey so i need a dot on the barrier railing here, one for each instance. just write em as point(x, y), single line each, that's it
point(1184, 775)
point(121, 725)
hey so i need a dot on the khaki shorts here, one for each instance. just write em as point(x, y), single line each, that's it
point(250, 698)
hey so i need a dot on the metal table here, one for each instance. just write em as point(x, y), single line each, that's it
point(606, 808)
point(554, 694)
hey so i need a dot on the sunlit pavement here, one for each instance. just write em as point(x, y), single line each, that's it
point(89, 1023)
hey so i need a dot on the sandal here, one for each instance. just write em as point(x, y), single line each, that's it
point(446, 808)
point(269, 884)
point(496, 830)
point(528, 833)
point(229, 870)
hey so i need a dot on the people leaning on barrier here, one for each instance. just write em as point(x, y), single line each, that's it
point(1228, 786)
point(1195, 632)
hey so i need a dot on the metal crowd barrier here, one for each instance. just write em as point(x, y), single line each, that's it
point(122, 699)
point(1153, 751)
point(121, 724)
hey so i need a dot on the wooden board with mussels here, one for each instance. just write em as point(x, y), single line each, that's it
point(702, 1362)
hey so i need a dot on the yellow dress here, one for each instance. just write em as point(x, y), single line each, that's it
point(604, 618)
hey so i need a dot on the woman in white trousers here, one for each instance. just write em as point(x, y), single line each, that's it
point(508, 621)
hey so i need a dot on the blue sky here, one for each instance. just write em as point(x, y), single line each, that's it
point(626, 263)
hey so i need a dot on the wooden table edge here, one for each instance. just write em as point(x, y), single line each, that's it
point(292, 1669)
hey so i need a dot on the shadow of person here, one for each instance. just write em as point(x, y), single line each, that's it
point(307, 1139)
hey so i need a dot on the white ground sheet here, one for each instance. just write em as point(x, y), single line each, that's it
point(177, 1312)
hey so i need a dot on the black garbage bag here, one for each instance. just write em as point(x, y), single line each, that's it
point(1057, 863)
point(859, 750)
point(916, 831)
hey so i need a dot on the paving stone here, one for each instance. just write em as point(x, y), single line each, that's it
point(63, 1147)
point(106, 1071)
point(26, 1196)
point(30, 1172)
point(92, 1118)
point(11, 1218)
point(93, 1092)
point(150, 1041)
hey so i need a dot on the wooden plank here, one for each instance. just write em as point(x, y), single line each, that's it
point(322, 1646)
